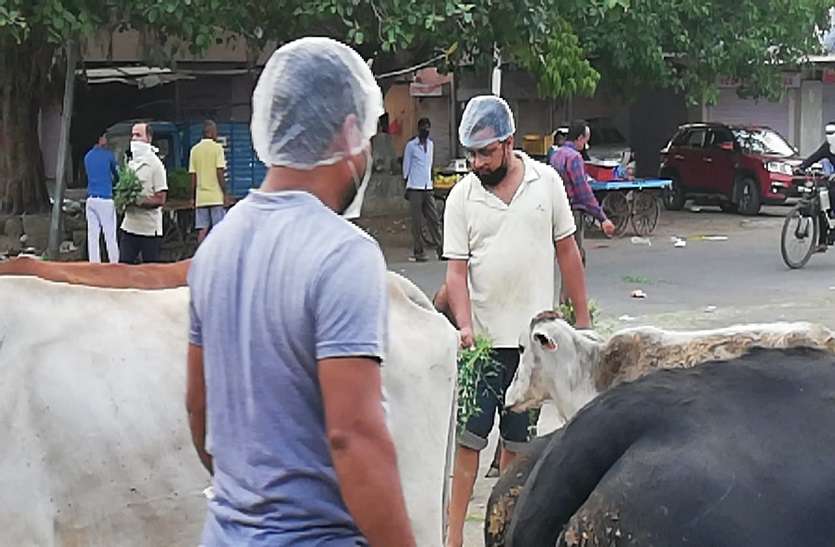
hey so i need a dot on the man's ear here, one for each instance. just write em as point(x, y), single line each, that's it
point(545, 342)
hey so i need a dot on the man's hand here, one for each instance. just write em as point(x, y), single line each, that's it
point(608, 227)
point(467, 338)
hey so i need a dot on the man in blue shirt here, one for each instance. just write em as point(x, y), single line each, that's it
point(101, 213)
point(417, 172)
point(288, 325)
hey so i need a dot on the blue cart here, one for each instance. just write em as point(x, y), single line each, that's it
point(634, 202)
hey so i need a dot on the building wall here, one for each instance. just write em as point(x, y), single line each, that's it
point(129, 46)
point(816, 101)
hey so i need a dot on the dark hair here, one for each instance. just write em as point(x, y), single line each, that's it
point(424, 122)
point(328, 102)
point(560, 131)
point(578, 129)
point(149, 131)
point(208, 125)
point(493, 119)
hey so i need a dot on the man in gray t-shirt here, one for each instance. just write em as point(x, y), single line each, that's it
point(288, 326)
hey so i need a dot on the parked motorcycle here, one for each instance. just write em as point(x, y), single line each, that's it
point(810, 226)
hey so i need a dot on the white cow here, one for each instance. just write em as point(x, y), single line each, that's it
point(97, 450)
point(571, 367)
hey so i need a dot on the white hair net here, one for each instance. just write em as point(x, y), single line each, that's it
point(304, 96)
point(486, 119)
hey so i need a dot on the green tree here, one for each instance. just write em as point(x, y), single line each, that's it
point(687, 45)
point(683, 44)
point(32, 35)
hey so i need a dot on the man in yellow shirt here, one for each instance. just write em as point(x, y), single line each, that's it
point(207, 165)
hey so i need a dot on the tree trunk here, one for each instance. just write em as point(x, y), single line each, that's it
point(24, 71)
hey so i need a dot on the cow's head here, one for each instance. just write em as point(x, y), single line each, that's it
point(555, 363)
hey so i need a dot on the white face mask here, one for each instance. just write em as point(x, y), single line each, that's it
point(355, 207)
point(138, 149)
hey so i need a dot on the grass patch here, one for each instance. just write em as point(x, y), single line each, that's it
point(637, 280)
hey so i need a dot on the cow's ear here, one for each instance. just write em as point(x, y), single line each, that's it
point(545, 342)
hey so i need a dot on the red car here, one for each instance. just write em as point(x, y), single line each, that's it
point(743, 168)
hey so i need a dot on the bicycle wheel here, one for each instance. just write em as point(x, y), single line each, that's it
point(798, 239)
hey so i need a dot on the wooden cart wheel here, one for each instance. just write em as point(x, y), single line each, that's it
point(645, 213)
point(616, 207)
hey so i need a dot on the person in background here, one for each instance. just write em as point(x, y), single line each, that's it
point(505, 224)
point(142, 225)
point(559, 136)
point(100, 165)
point(417, 172)
point(569, 163)
point(207, 165)
point(288, 319)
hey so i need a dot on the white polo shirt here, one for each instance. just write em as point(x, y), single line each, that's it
point(509, 248)
point(151, 173)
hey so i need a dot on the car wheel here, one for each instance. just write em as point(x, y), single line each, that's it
point(675, 196)
point(748, 196)
point(728, 207)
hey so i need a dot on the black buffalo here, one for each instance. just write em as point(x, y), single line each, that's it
point(730, 454)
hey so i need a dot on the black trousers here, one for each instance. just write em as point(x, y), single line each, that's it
point(132, 247)
point(422, 207)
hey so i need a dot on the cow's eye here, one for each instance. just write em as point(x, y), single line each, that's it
point(521, 348)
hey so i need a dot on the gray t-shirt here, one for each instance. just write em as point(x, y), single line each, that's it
point(281, 283)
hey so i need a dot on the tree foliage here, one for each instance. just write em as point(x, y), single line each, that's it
point(688, 45)
point(683, 44)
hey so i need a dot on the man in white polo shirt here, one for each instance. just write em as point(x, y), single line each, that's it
point(504, 225)
point(142, 225)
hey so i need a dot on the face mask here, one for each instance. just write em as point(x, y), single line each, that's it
point(423, 134)
point(493, 178)
point(138, 149)
point(354, 208)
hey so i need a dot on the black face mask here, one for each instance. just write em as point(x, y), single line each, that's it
point(423, 134)
point(493, 178)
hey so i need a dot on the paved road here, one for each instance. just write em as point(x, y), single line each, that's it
point(743, 277)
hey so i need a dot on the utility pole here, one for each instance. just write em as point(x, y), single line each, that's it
point(63, 152)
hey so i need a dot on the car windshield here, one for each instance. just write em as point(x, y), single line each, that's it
point(763, 141)
point(605, 135)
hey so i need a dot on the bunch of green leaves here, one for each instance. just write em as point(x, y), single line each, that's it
point(475, 366)
point(127, 189)
point(179, 184)
point(570, 316)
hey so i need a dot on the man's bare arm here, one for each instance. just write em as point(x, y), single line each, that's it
point(458, 295)
point(574, 278)
point(155, 200)
point(196, 404)
point(221, 179)
point(362, 450)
